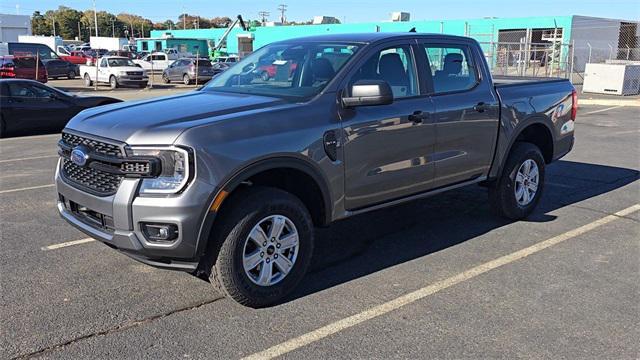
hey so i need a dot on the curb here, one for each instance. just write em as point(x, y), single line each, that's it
point(609, 102)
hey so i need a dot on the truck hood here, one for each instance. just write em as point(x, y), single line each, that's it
point(159, 121)
point(125, 68)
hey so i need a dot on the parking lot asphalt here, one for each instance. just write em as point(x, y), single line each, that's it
point(437, 278)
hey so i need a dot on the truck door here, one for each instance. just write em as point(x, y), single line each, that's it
point(103, 71)
point(467, 111)
point(388, 148)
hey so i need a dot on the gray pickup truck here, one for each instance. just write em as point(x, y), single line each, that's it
point(230, 180)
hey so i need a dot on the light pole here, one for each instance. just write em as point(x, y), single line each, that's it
point(95, 19)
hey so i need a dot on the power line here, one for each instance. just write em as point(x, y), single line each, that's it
point(263, 15)
point(282, 8)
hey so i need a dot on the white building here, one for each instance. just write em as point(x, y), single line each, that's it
point(12, 26)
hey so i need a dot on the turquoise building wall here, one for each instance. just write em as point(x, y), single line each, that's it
point(480, 29)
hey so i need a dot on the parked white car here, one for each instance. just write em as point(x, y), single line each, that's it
point(157, 61)
point(116, 71)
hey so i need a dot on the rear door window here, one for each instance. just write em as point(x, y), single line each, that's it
point(451, 68)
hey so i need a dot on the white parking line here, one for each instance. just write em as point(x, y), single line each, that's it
point(23, 138)
point(601, 110)
point(26, 188)
point(419, 294)
point(29, 158)
point(68, 243)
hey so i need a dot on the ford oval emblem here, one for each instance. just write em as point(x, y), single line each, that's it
point(79, 157)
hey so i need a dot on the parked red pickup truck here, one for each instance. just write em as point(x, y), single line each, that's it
point(77, 57)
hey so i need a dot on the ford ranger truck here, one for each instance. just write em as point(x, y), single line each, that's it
point(229, 181)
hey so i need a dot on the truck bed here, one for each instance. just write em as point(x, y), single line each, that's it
point(502, 81)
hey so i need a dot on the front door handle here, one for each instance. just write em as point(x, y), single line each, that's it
point(418, 116)
point(480, 107)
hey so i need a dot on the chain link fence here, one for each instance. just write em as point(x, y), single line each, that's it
point(549, 53)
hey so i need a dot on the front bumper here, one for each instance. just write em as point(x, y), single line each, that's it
point(132, 80)
point(127, 210)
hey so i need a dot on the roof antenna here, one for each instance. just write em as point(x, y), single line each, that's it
point(413, 29)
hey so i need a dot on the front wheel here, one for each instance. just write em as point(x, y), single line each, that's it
point(113, 82)
point(165, 78)
point(518, 190)
point(71, 75)
point(266, 246)
point(87, 80)
point(186, 79)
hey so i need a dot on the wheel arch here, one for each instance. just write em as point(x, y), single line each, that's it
point(287, 173)
point(536, 131)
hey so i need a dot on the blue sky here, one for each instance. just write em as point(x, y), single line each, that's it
point(346, 10)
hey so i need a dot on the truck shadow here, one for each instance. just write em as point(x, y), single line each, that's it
point(371, 242)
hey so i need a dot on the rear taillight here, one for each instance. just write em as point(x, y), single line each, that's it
point(7, 72)
point(574, 105)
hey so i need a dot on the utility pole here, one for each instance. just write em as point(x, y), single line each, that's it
point(95, 19)
point(263, 15)
point(282, 8)
point(113, 27)
point(53, 21)
point(184, 17)
point(195, 24)
point(79, 32)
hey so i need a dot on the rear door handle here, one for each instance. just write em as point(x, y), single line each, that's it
point(480, 107)
point(418, 116)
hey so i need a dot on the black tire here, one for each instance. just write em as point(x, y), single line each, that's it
point(113, 82)
point(3, 128)
point(502, 195)
point(264, 76)
point(87, 80)
point(165, 79)
point(246, 210)
point(71, 75)
point(186, 79)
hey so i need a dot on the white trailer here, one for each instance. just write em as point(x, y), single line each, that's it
point(108, 43)
point(54, 42)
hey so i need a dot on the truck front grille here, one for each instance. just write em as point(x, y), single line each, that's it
point(99, 147)
point(96, 181)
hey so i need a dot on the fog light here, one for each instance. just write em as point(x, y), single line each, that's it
point(160, 232)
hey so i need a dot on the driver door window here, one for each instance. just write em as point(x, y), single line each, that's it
point(393, 65)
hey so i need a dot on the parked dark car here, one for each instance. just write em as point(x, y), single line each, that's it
point(27, 106)
point(22, 67)
point(229, 181)
point(61, 68)
point(185, 70)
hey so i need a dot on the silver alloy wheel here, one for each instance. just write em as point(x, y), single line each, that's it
point(273, 241)
point(526, 182)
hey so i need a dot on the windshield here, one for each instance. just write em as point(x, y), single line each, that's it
point(120, 62)
point(297, 70)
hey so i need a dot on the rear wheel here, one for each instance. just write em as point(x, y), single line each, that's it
point(71, 75)
point(518, 190)
point(266, 244)
point(87, 80)
point(113, 82)
point(186, 79)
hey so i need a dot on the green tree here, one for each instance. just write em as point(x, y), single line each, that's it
point(39, 24)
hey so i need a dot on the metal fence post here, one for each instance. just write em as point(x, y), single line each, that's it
point(589, 59)
point(573, 59)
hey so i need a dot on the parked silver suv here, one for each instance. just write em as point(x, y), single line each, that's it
point(229, 181)
point(185, 70)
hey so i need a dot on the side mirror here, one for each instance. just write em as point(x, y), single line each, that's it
point(369, 93)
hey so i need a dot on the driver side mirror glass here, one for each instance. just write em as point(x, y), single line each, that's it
point(369, 93)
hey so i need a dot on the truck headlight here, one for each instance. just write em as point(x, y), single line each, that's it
point(122, 73)
point(177, 168)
